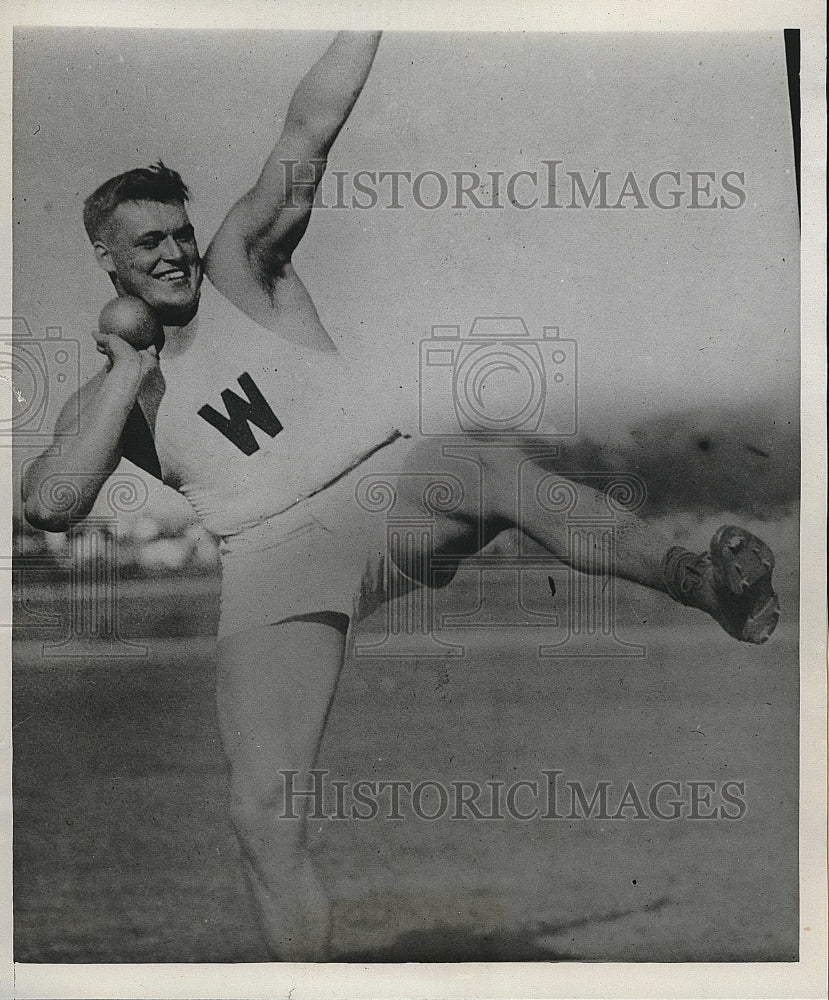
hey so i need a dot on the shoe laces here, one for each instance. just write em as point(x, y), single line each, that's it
point(685, 572)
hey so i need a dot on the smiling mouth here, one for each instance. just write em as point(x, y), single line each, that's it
point(175, 276)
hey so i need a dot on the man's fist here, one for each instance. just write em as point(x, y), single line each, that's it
point(132, 320)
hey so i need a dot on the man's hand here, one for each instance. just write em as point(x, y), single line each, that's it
point(122, 358)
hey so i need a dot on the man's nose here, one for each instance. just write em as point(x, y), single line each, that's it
point(171, 250)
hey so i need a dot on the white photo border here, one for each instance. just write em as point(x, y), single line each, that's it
point(805, 978)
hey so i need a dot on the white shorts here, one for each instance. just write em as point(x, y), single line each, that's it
point(323, 554)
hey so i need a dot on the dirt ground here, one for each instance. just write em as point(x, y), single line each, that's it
point(124, 851)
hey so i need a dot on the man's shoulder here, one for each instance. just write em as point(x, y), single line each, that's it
point(225, 297)
point(232, 278)
point(286, 308)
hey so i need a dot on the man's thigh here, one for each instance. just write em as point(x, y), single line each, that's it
point(274, 688)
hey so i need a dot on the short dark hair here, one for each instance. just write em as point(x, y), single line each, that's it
point(154, 183)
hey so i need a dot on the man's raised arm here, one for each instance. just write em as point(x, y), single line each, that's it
point(263, 228)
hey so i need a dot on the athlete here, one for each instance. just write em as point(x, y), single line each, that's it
point(244, 405)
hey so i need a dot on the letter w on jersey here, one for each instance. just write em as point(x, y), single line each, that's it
point(241, 413)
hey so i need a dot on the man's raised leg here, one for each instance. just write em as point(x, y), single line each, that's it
point(274, 689)
point(731, 581)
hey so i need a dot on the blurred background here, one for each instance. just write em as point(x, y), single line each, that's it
point(672, 311)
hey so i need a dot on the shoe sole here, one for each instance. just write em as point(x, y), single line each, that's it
point(743, 564)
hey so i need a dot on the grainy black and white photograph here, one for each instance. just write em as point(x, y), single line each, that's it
point(405, 440)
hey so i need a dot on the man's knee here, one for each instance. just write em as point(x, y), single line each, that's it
point(427, 569)
point(480, 478)
point(267, 814)
point(467, 494)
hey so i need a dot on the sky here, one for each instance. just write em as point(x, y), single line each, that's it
point(671, 309)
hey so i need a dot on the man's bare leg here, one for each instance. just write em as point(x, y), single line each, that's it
point(274, 690)
point(731, 582)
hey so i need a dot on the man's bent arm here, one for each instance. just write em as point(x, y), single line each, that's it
point(86, 460)
point(265, 226)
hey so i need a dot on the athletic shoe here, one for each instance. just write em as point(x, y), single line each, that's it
point(731, 581)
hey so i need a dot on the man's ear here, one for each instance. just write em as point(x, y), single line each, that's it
point(104, 257)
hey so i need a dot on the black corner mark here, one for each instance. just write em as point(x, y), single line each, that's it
point(791, 38)
point(241, 413)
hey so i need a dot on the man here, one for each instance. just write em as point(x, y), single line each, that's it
point(248, 341)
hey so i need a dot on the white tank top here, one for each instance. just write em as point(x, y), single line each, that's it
point(246, 424)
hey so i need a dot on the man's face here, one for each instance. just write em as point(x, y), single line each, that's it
point(150, 250)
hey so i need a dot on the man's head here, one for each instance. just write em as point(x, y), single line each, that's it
point(138, 225)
